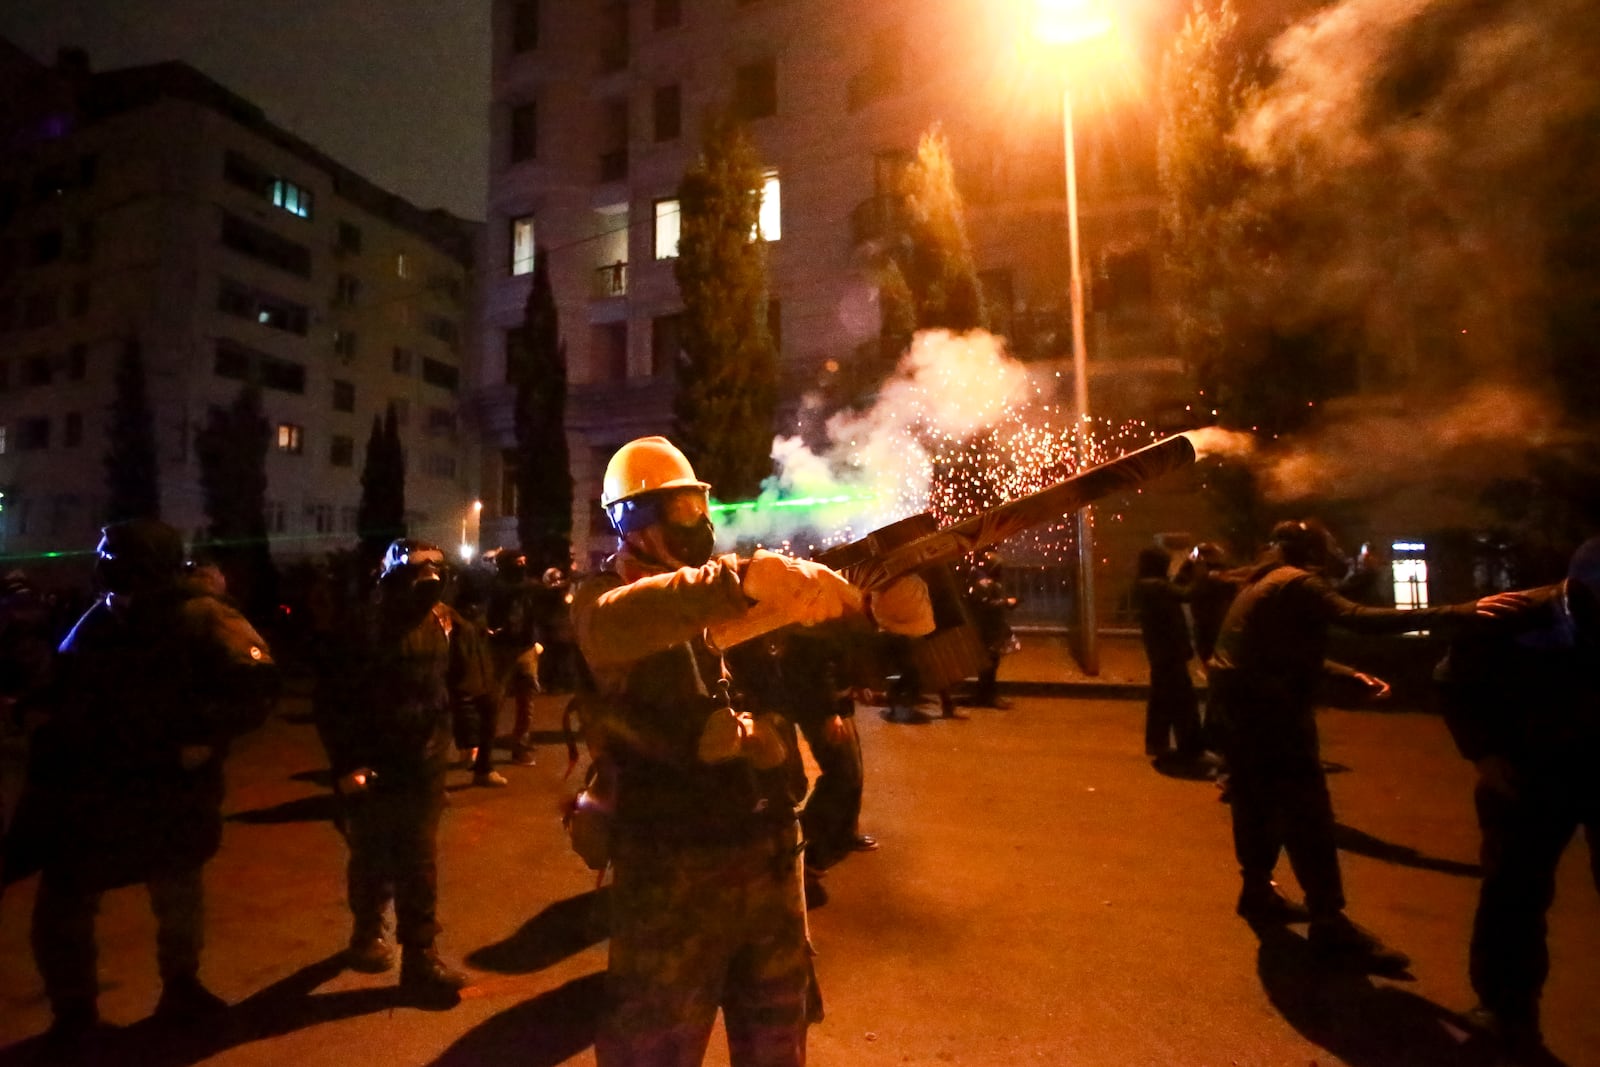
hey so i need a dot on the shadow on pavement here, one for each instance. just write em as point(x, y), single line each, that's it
point(561, 930)
point(549, 1029)
point(1364, 844)
point(320, 807)
point(1363, 1023)
point(283, 1007)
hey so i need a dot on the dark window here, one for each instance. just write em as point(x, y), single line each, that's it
point(442, 328)
point(666, 342)
point(262, 244)
point(246, 174)
point(525, 26)
point(10, 200)
point(33, 434)
point(232, 363)
point(400, 363)
point(51, 183)
point(668, 13)
point(441, 422)
point(243, 364)
point(83, 241)
point(755, 89)
point(282, 374)
point(77, 362)
point(524, 132)
point(614, 46)
point(47, 245)
point(347, 290)
point(342, 451)
point(41, 308)
point(264, 309)
point(72, 430)
point(609, 343)
point(668, 112)
point(36, 371)
point(344, 344)
point(440, 374)
point(884, 72)
point(344, 395)
point(349, 238)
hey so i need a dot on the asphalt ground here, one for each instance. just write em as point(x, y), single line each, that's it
point(1042, 895)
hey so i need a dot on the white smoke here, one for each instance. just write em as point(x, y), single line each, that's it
point(874, 466)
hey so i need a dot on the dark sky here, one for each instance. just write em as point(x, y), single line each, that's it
point(395, 89)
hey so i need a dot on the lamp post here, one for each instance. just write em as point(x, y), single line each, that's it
point(469, 548)
point(1062, 24)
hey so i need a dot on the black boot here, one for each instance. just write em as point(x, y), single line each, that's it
point(185, 1000)
point(1338, 938)
point(424, 975)
point(1260, 902)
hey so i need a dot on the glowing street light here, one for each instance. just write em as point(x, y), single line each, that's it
point(1064, 25)
point(468, 548)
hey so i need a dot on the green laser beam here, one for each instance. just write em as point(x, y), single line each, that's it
point(796, 502)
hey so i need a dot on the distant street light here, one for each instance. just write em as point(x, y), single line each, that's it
point(1063, 26)
point(469, 547)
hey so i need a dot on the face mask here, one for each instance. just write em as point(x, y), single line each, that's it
point(426, 592)
point(690, 545)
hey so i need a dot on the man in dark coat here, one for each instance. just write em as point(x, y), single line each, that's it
point(384, 708)
point(991, 611)
point(125, 780)
point(1523, 703)
point(1172, 711)
point(1269, 659)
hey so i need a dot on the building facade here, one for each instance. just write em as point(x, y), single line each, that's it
point(151, 207)
point(598, 110)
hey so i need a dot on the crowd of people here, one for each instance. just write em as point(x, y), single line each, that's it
point(695, 675)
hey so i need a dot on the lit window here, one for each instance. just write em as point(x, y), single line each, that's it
point(2, 440)
point(291, 197)
point(402, 267)
point(769, 222)
point(667, 220)
point(522, 245)
point(289, 437)
point(1410, 574)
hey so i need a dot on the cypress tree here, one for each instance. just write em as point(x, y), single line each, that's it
point(543, 466)
point(132, 481)
point(727, 378)
point(381, 515)
point(232, 449)
point(934, 255)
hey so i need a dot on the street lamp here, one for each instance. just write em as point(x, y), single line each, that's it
point(468, 548)
point(1062, 25)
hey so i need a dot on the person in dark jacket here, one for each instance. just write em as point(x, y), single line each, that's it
point(1265, 670)
point(991, 609)
point(125, 780)
point(1523, 704)
point(384, 708)
point(1172, 710)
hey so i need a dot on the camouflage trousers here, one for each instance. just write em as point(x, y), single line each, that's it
point(697, 928)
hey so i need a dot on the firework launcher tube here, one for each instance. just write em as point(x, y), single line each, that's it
point(870, 566)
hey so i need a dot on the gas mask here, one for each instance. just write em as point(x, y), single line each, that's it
point(414, 570)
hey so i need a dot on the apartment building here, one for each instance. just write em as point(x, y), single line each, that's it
point(597, 111)
point(152, 207)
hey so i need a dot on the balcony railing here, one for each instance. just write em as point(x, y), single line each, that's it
point(611, 280)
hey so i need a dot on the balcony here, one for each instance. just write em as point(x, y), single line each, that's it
point(611, 280)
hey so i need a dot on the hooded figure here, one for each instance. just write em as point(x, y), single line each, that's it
point(125, 778)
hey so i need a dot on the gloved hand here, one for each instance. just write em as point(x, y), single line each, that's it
point(728, 735)
point(903, 607)
point(806, 592)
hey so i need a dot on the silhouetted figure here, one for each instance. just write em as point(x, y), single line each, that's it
point(991, 613)
point(125, 778)
point(1265, 672)
point(1523, 703)
point(384, 708)
point(1172, 712)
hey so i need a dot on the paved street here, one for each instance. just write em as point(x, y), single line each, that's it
point(1042, 896)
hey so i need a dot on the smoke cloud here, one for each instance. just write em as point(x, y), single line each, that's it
point(1428, 156)
point(876, 466)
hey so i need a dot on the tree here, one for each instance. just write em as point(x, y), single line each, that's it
point(232, 449)
point(933, 255)
point(543, 468)
point(131, 472)
point(727, 375)
point(381, 515)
